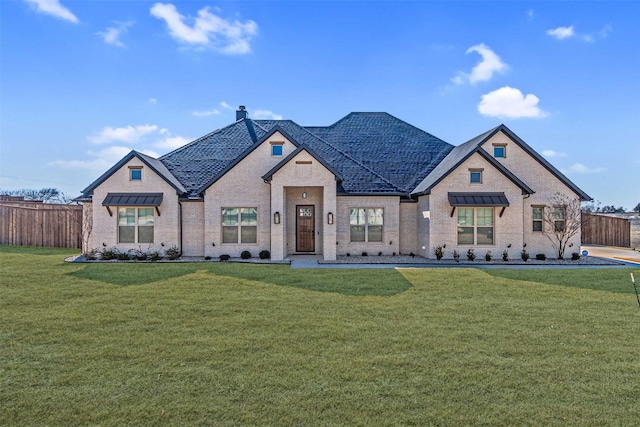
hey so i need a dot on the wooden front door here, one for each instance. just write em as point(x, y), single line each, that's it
point(305, 228)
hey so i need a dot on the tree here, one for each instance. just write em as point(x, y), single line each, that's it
point(562, 221)
point(637, 208)
point(51, 195)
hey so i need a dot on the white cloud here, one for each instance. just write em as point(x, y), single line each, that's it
point(208, 29)
point(483, 71)
point(510, 102)
point(227, 106)
point(99, 161)
point(129, 134)
point(112, 34)
point(54, 8)
point(266, 114)
point(531, 14)
point(172, 142)
point(152, 101)
point(205, 113)
point(561, 32)
point(580, 168)
point(552, 153)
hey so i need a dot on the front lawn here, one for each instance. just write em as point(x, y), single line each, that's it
point(235, 344)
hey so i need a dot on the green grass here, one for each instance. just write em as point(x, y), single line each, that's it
point(234, 344)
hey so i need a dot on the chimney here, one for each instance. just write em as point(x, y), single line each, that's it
point(241, 113)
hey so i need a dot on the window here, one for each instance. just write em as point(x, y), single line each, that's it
point(475, 226)
point(537, 218)
point(559, 219)
point(135, 174)
point(475, 176)
point(499, 151)
point(366, 224)
point(135, 225)
point(276, 150)
point(239, 225)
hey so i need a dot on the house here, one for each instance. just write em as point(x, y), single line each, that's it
point(368, 183)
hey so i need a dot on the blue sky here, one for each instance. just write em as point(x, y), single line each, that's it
point(84, 82)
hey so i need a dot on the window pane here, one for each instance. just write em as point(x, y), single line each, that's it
point(498, 151)
point(465, 235)
point(126, 234)
point(537, 213)
point(357, 233)
point(357, 217)
point(276, 150)
point(229, 234)
point(485, 235)
point(136, 174)
point(485, 216)
point(145, 216)
point(230, 216)
point(559, 225)
point(375, 233)
point(537, 225)
point(145, 234)
point(126, 216)
point(249, 216)
point(248, 234)
point(558, 214)
point(375, 216)
point(465, 217)
point(475, 177)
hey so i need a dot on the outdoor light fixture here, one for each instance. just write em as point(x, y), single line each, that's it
point(276, 218)
point(304, 194)
point(329, 218)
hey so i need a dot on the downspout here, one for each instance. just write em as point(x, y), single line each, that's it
point(180, 223)
point(524, 225)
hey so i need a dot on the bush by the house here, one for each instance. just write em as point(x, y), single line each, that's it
point(575, 256)
point(108, 254)
point(225, 257)
point(154, 255)
point(207, 258)
point(456, 255)
point(173, 252)
point(138, 255)
point(541, 257)
point(439, 252)
point(524, 255)
point(471, 254)
point(487, 256)
point(92, 255)
point(264, 254)
point(123, 256)
point(245, 255)
point(505, 255)
point(365, 254)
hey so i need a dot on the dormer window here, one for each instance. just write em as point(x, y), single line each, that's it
point(276, 148)
point(499, 151)
point(135, 174)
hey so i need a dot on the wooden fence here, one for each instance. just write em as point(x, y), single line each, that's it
point(28, 223)
point(606, 230)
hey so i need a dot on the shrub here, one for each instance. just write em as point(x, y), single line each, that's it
point(541, 257)
point(471, 255)
point(123, 256)
point(487, 256)
point(348, 254)
point(412, 255)
point(264, 254)
point(107, 254)
point(505, 255)
point(365, 254)
point(173, 252)
point(154, 255)
point(439, 252)
point(456, 255)
point(91, 255)
point(379, 253)
point(245, 255)
point(225, 257)
point(207, 258)
point(524, 254)
point(575, 256)
point(138, 255)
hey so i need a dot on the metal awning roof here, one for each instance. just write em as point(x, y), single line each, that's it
point(133, 199)
point(478, 199)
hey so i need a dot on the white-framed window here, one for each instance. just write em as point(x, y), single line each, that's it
point(475, 226)
point(559, 218)
point(499, 151)
point(537, 218)
point(239, 225)
point(135, 225)
point(367, 224)
point(475, 176)
point(135, 173)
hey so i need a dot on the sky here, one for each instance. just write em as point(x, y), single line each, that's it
point(83, 82)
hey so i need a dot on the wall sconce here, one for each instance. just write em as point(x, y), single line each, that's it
point(276, 218)
point(330, 218)
point(304, 194)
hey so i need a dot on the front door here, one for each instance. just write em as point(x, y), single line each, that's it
point(305, 228)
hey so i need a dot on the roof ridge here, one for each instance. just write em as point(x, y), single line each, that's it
point(351, 158)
